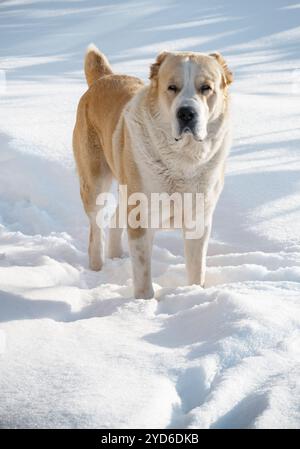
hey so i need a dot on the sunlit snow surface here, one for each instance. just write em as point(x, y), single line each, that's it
point(76, 350)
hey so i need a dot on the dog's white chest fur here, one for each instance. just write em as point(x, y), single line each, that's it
point(167, 165)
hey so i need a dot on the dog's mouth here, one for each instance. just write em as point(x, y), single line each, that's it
point(188, 131)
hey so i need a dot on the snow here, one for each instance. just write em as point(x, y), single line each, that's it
point(76, 350)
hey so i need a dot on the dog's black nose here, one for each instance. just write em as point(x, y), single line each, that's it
point(186, 114)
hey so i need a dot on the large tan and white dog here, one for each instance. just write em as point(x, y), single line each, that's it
point(172, 135)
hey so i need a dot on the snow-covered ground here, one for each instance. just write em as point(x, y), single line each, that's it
point(76, 350)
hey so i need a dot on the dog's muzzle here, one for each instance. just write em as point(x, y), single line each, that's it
point(187, 117)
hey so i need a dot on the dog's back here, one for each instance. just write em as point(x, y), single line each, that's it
point(101, 106)
point(98, 113)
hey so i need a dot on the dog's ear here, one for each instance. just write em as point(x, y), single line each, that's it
point(227, 74)
point(154, 68)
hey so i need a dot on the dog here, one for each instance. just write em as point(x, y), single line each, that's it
point(171, 135)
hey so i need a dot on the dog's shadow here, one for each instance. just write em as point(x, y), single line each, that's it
point(17, 307)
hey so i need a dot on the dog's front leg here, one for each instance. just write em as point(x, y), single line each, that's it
point(140, 248)
point(195, 256)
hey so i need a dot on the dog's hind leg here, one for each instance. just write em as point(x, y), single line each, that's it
point(89, 194)
point(95, 178)
point(115, 237)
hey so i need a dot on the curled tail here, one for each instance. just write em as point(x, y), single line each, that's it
point(95, 64)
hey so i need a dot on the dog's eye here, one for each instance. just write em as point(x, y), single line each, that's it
point(205, 88)
point(172, 88)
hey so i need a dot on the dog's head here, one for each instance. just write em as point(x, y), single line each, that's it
point(191, 89)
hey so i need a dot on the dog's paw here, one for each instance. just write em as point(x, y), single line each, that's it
point(96, 264)
point(144, 294)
